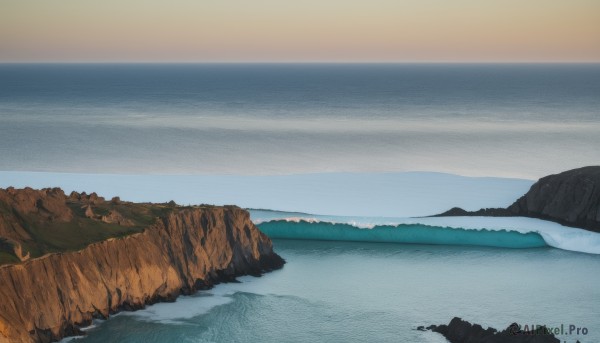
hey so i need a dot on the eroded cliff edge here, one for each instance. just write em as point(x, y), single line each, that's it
point(186, 249)
point(570, 198)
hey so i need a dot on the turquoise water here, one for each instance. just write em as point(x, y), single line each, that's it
point(405, 233)
point(333, 291)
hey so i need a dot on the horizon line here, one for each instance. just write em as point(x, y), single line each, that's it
point(300, 62)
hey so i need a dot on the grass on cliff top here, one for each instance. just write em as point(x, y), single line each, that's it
point(82, 231)
point(6, 257)
point(56, 236)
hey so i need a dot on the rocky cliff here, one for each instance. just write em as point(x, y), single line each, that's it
point(185, 249)
point(570, 198)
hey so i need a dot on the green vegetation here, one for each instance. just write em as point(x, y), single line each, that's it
point(37, 222)
point(48, 236)
point(6, 257)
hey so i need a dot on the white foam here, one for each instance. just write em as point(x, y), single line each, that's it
point(94, 325)
point(69, 339)
point(433, 337)
point(185, 307)
point(554, 234)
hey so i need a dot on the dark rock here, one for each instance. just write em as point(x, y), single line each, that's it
point(570, 198)
point(486, 212)
point(461, 331)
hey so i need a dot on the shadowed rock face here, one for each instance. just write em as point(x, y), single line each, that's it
point(460, 331)
point(570, 198)
point(187, 249)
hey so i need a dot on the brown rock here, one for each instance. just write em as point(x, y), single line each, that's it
point(89, 213)
point(48, 203)
point(46, 298)
point(74, 196)
point(114, 217)
point(18, 250)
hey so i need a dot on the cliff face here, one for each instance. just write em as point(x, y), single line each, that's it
point(570, 198)
point(46, 298)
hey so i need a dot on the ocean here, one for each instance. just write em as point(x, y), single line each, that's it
point(377, 292)
point(338, 163)
point(504, 120)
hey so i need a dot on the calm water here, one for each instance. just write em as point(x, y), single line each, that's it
point(486, 120)
point(377, 292)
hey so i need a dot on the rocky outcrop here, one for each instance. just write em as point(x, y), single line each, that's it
point(570, 198)
point(484, 212)
point(45, 205)
point(114, 217)
point(460, 331)
point(47, 298)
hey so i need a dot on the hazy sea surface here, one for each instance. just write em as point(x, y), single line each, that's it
point(521, 121)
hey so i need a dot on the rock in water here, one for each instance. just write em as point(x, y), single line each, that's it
point(461, 331)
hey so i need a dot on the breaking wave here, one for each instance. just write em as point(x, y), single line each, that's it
point(509, 232)
point(402, 233)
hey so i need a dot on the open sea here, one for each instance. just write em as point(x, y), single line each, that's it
point(337, 162)
point(523, 121)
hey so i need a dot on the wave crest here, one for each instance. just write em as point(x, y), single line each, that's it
point(315, 229)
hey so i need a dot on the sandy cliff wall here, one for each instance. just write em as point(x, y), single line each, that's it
point(46, 298)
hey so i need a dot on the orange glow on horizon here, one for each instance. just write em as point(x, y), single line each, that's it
point(306, 31)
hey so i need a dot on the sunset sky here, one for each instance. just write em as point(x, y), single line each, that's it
point(300, 31)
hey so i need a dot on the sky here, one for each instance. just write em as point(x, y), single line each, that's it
point(300, 31)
